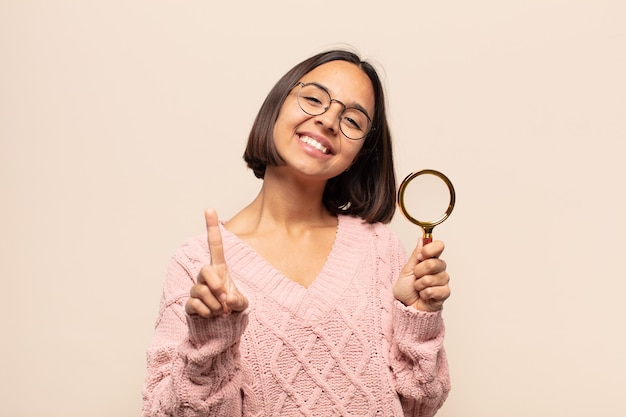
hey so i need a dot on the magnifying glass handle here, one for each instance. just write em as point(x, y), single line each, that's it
point(428, 235)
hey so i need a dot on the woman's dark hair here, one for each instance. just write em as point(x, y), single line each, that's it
point(368, 188)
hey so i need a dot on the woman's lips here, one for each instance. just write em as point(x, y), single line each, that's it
point(315, 144)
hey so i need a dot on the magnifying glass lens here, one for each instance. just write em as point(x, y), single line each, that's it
point(427, 198)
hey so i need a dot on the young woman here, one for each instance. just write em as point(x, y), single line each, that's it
point(304, 303)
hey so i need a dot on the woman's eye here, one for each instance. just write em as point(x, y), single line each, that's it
point(352, 123)
point(313, 101)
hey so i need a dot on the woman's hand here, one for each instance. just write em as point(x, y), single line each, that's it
point(423, 282)
point(215, 293)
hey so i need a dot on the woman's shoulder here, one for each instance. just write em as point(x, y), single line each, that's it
point(356, 229)
point(194, 249)
point(357, 225)
point(377, 239)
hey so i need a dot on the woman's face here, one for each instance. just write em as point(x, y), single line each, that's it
point(315, 146)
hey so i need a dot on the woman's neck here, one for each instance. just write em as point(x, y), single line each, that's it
point(284, 202)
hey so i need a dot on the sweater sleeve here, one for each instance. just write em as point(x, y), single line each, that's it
point(418, 360)
point(193, 363)
point(417, 355)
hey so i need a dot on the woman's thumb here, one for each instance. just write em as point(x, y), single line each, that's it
point(234, 299)
point(415, 258)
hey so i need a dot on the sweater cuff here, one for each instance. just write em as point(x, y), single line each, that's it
point(226, 328)
point(416, 324)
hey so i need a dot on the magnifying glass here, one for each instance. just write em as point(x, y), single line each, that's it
point(428, 196)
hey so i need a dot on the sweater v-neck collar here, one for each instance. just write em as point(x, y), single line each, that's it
point(314, 301)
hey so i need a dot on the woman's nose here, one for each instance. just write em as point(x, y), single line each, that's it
point(332, 117)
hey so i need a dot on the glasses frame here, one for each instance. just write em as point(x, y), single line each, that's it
point(325, 109)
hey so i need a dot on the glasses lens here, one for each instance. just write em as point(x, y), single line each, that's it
point(354, 124)
point(313, 100)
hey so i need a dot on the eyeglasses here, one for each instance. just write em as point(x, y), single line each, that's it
point(314, 100)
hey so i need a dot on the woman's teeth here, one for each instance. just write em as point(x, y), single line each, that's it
point(312, 142)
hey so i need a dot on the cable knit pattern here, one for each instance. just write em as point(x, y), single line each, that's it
point(341, 347)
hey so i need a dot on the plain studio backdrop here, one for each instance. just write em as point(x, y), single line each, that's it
point(121, 121)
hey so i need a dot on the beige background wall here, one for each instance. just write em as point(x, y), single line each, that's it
point(120, 121)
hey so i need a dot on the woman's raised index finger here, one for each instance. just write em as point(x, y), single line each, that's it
point(214, 237)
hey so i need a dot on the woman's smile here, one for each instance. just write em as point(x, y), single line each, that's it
point(315, 144)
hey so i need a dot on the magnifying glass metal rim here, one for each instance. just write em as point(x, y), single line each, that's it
point(427, 226)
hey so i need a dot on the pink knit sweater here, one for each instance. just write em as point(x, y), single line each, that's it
point(341, 347)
